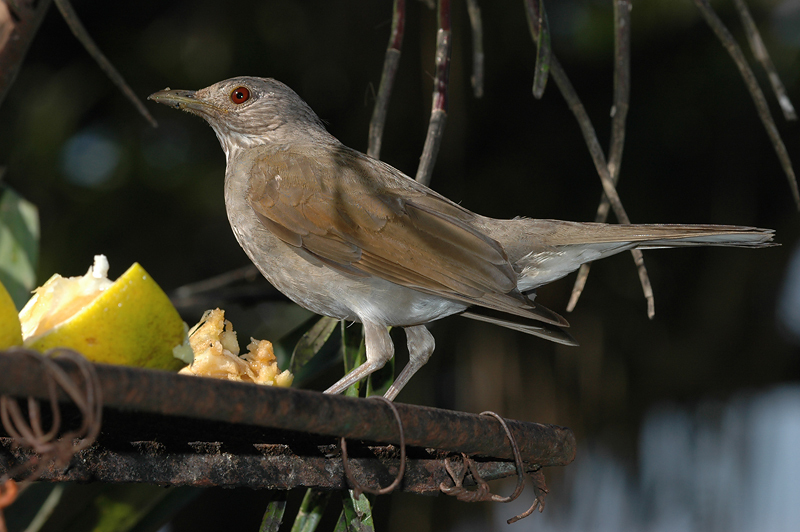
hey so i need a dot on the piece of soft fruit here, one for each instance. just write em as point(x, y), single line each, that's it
point(216, 354)
point(130, 321)
point(10, 330)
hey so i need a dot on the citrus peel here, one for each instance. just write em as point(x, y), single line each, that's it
point(10, 329)
point(130, 321)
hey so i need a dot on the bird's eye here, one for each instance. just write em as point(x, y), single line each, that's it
point(240, 95)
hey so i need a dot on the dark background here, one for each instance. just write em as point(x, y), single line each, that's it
point(106, 182)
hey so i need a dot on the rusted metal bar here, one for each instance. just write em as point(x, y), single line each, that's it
point(263, 466)
point(165, 428)
point(169, 394)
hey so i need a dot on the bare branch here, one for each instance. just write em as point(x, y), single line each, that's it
point(390, 65)
point(622, 85)
point(537, 23)
point(17, 29)
point(762, 55)
point(476, 23)
point(82, 35)
point(439, 109)
point(750, 81)
point(619, 113)
point(590, 136)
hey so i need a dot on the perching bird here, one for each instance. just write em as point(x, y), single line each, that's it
point(350, 237)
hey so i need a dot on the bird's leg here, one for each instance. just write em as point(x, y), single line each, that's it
point(380, 350)
point(420, 348)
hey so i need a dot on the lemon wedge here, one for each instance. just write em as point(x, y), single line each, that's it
point(10, 330)
point(130, 321)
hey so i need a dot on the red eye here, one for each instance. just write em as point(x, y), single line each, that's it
point(240, 95)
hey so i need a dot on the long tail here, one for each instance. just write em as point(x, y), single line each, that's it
point(560, 233)
point(556, 248)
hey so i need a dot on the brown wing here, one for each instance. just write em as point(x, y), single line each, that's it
point(364, 218)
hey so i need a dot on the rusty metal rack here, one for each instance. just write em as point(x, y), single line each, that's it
point(164, 428)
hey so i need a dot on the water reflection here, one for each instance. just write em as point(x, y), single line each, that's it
point(729, 467)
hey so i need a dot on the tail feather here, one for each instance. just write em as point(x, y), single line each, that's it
point(558, 233)
point(556, 248)
point(534, 328)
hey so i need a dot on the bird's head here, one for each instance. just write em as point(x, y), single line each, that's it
point(247, 111)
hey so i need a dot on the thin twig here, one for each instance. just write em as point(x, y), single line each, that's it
point(249, 273)
point(589, 135)
point(622, 85)
point(751, 83)
point(82, 35)
point(390, 64)
point(762, 55)
point(26, 19)
point(539, 27)
point(619, 113)
point(439, 108)
point(476, 22)
point(596, 152)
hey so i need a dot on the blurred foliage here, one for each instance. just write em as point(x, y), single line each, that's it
point(105, 182)
point(19, 245)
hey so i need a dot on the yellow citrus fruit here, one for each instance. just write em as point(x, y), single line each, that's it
point(10, 330)
point(130, 321)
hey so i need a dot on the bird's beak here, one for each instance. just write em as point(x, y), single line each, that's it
point(185, 101)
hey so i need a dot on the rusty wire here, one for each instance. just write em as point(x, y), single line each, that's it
point(460, 492)
point(483, 493)
point(29, 433)
point(541, 491)
point(517, 460)
point(357, 487)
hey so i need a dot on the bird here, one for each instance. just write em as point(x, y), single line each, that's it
point(351, 237)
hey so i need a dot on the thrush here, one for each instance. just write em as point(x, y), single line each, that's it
point(351, 237)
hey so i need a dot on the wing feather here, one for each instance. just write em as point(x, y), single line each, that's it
point(366, 222)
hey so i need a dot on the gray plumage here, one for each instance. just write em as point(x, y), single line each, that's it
point(350, 237)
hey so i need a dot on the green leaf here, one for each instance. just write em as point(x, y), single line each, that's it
point(340, 523)
point(311, 342)
point(311, 510)
point(19, 245)
point(97, 507)
point(273, 517)
point(166, 507)
point(354, 352)
point(34, 506)
point(357, 513)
